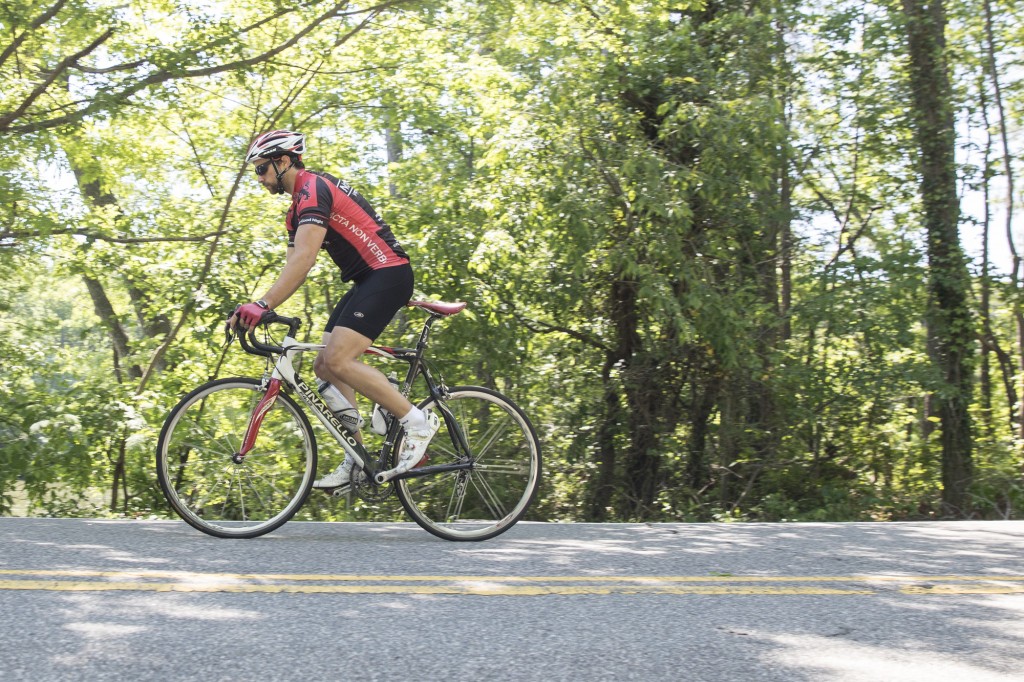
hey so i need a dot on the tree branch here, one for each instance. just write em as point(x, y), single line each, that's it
point(103, 238)
point(7, 119)
point(539, 327)
point(164, 75)
point(40, 20)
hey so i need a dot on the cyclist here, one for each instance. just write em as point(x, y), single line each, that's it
point(326, 213)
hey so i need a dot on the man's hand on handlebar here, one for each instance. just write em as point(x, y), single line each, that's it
point(247, 316)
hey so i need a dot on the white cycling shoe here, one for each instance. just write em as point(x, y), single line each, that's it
point(337, 478)
point(416, 442)
point(413, 455)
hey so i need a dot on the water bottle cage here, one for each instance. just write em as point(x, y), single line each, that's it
point(346, 413)
point(350, 419)
point(380, 420)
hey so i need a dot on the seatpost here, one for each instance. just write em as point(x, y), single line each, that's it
point(425, 335)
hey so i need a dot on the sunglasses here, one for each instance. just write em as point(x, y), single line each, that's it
point(262, 168)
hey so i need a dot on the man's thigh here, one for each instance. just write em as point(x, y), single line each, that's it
point(343, 345)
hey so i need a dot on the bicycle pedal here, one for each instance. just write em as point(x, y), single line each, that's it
point(340, 491)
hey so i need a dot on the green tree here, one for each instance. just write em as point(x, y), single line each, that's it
point(950, 325)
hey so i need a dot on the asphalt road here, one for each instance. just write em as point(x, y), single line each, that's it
point(132, 600)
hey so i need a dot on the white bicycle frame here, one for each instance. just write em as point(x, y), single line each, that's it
point(284, 374)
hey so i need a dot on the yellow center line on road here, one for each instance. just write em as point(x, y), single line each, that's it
point(186, 581)
point(483, 589)
point(346, 577)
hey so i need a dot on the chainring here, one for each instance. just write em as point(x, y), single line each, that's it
point(367, 489)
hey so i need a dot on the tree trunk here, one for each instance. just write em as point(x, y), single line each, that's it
point(703, 400)
point(120, 481)
point(645, 396)
point(950, 328)
point(783, 250)
point(626, 320)
point(1015, 293)
point(729, 441)
point(603, 488)
point(118, 337)
point(985, 378)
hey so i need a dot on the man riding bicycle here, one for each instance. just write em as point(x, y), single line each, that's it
point(326, 213)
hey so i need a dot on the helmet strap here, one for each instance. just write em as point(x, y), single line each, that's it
point(280, 174)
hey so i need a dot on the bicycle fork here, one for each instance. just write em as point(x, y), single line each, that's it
point(256, 419)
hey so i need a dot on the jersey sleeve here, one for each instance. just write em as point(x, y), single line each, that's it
point(314, 203)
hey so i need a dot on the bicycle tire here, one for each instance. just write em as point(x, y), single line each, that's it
point(211, 492)
point(488, 499)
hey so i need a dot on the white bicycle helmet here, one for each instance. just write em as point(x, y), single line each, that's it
point(276, 143)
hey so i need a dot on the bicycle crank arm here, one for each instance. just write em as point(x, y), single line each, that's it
point(340, 491)
point(395, 475)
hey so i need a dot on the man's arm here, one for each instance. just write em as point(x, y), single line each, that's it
point(301, 258)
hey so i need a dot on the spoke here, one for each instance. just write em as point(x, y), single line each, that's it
point(456, 500)
point(210, 438)
point(206, 446)
point(208, 490)
point(494, 433)
point(271, 481)
point(504, 467)
point(432, 483)
point(489, 497)
point(227, 498)
point(439, 444)
point(208, 501)
point(202, 455)
point(252, 486)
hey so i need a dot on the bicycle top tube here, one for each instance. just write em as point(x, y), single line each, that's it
point(250, 344)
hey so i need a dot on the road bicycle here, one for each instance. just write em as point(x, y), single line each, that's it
point(237, 457)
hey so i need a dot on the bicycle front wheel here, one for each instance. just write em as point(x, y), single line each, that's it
point(195, 460)
point(487, 499)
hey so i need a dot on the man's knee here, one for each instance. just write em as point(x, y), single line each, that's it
point(345, 349)
point(320, 365)
point(336, 365)
point(333, 368)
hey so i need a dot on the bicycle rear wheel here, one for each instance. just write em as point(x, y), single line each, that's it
point(487, 499)
point(212, 492)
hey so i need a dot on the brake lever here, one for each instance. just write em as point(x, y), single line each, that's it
point(229, 332)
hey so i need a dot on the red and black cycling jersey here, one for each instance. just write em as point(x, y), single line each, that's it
point(357, 240)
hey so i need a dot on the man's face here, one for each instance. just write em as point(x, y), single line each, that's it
point(266, 174)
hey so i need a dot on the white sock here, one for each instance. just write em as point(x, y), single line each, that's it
point(415, 419)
